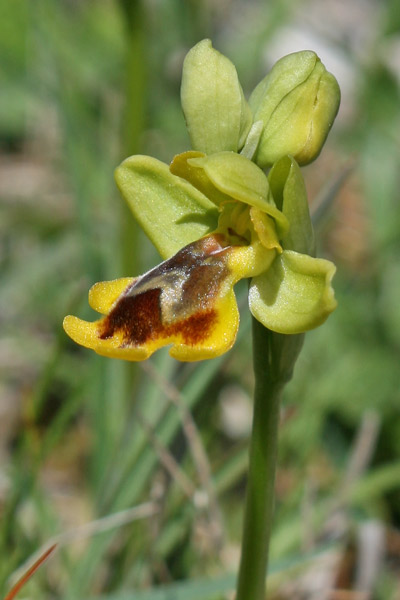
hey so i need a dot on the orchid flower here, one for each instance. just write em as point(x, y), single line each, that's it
point(216, 218)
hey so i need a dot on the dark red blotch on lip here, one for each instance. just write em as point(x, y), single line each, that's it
point(139, 318)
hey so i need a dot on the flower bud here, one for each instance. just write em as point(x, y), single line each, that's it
point(217, 115)
point(297, 102)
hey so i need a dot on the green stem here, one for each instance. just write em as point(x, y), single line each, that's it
point(262, 466)
point(134, 120)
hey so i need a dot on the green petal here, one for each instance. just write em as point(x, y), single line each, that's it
point(290, 195)
point(241, 179)
point(217, 114)
point(294, 295)
point(182, 166)
point(169, 209)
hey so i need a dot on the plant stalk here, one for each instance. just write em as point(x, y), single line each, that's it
point(134, 120)
point(262, 467)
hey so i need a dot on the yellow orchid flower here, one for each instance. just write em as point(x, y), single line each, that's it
point(216, 218)
point(188, 300)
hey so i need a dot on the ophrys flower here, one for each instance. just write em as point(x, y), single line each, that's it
point(216, 217)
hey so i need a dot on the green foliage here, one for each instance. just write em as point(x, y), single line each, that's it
point(85, 437)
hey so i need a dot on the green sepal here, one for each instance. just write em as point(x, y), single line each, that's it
point(170, 210)
point(290, 195)
point(294, 295)
point(217, 115)
point(297, 102)
point(240, 179)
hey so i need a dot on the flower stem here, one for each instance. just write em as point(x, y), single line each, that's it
point(134, 120)
point(262, 466)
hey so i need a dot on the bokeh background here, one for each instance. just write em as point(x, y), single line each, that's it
point(138, 471)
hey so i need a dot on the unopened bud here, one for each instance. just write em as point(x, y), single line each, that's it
point(217, 115)
point(297, 103)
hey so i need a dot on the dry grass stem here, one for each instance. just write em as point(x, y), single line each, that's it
point(142, 511)
point(197, 450)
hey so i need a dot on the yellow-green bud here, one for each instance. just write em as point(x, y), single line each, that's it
point(217, 115)
point(297, 103)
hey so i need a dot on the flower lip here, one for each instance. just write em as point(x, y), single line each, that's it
point(180, 281)
point(139, 318)
point(187, 301)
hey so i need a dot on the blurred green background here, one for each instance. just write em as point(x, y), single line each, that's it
point(85, 83)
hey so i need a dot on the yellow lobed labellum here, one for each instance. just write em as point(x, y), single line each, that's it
point(186, 301)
